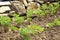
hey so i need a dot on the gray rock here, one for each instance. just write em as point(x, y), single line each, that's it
point(18, 7)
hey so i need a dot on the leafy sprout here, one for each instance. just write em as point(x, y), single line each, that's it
point(4, 20)
point(18, 19)
point(52, 9)
point(29, 13)
point(39, 12)
point(13, 28)
point(55, 22)
point(30, 29)
point(35, 28)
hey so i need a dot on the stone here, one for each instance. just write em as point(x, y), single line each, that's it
point(5, 3)
point(40, 1)
point(33, 5)
point(4, 9)
point(18, 7)
point(30, 0)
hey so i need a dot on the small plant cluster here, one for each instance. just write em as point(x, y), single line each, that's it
point(44, 9)
point(55, 22)
point(30, 29)
point(18, 19)
point(5, 21)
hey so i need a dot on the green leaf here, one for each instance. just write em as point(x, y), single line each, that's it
point(15, 15)
point(35, 28)
point(4, 20)
point(57, 22)
point(23, 31)
point(13, 28)
point(44, 6)
point(50, 25)
point(26, 37)
point(29, 13)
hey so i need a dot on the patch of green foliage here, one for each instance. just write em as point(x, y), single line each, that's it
point(4, 20)
point(55, 22)
point(12, 28)
point(18, 19)
point(35, 28)
point(56, 5)
point(29, 13)
point(50, 25)
point(24, 31)
point(44, 9)
point(52, 9)
point(30, 29)
point(39, 12)
point(29, 19)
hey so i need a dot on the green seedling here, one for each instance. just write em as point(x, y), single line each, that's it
point(18, 19)
point(50, 25)
point(24, 31)
point(30, 29)
point(4, 20)
point(39, 12)
point(29, 19)
point(35, 28)
point(55, 22)
point(29, 13)
point(13, 28)
point(56, 5)
point(44, 7)
point(52, 9)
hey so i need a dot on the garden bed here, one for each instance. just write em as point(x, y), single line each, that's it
point(36, 24)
